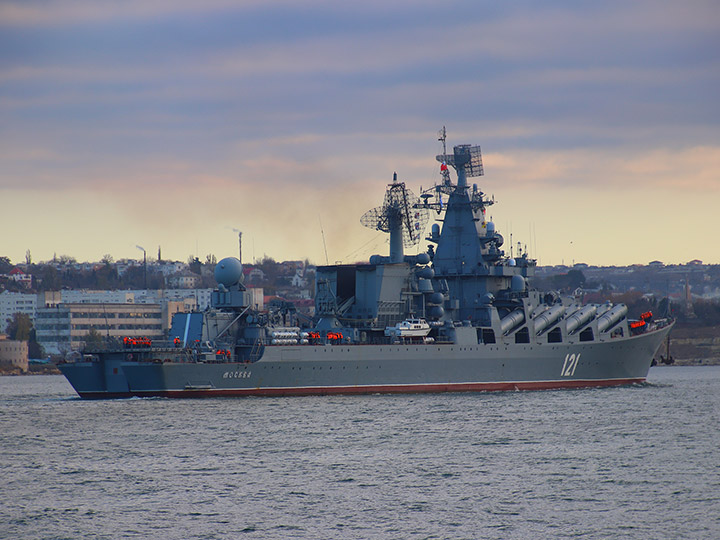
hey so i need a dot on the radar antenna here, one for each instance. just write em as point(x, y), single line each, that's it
point(466, 159)
point(467, 162)
point(398, 217)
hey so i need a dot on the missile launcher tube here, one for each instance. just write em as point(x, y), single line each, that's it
point(547, 318)
point(609, 318)
point(512, 320)
point(580, 318)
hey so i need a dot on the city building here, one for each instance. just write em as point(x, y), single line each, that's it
point(196, 299)
point(184, 280)
point(168, 268)
point(253, 274)
point(83, 296)
point(65, 327)
point(17, 275)
point(12, 302)
point(13, 354)
point(49, 299)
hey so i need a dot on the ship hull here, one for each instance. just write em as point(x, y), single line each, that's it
point(103, 379)
point(368, 369)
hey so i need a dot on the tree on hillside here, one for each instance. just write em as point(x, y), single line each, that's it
point(269, 267)
point(134, 278)
point(19, 327)
point(35, 350)
point(707, 311)
point(575, 279)
point(5, 265)
point(194, 265)
point(106, 276)
point(93, 337)
point(47, 278)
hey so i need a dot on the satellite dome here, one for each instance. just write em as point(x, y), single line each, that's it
point(517, 284)
point(228, 271)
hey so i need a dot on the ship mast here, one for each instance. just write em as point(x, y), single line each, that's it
point(444, 168)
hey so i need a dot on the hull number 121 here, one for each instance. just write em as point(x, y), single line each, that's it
point(571, 362)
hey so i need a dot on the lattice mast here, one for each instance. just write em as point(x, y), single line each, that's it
point(398, 217)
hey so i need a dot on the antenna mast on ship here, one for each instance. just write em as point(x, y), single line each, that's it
point(398, 216)
point(442, 137)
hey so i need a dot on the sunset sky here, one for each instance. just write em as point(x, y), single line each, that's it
point(172, 122)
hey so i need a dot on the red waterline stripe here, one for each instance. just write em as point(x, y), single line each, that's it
point(390, 389)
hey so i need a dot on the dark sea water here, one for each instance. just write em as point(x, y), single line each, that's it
point(622, 463)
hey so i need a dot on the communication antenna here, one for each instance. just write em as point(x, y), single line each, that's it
point(444, 172)
point(322, 232)
point(398, 217)
point(467, 161)
point(239, 244)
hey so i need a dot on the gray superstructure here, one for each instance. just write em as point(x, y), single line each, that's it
point(488, 330)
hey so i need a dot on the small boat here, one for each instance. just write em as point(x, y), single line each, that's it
point(409, 328)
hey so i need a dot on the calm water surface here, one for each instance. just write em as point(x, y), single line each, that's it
point(638, 462)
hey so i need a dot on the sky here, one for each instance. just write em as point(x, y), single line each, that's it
point(173, 124)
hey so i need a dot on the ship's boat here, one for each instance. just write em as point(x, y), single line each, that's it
point(409, 328)
point(459, 316)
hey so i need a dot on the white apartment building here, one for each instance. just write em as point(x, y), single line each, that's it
point(84, 296)
point(201, 297)
point(64, 328)
point(186, 280)
point(168, 268)
point(11, 303)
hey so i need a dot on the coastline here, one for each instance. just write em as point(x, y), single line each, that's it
point(33, 369)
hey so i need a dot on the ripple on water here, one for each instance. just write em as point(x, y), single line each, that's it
point(634, 462)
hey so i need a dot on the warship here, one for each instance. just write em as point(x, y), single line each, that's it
point(457, 317)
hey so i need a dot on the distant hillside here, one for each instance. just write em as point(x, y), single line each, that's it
point(694, 345)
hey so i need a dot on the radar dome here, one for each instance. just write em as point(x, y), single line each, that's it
point(228, 271)
point(426, 272)
point(422, 258)
point(517, 284)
